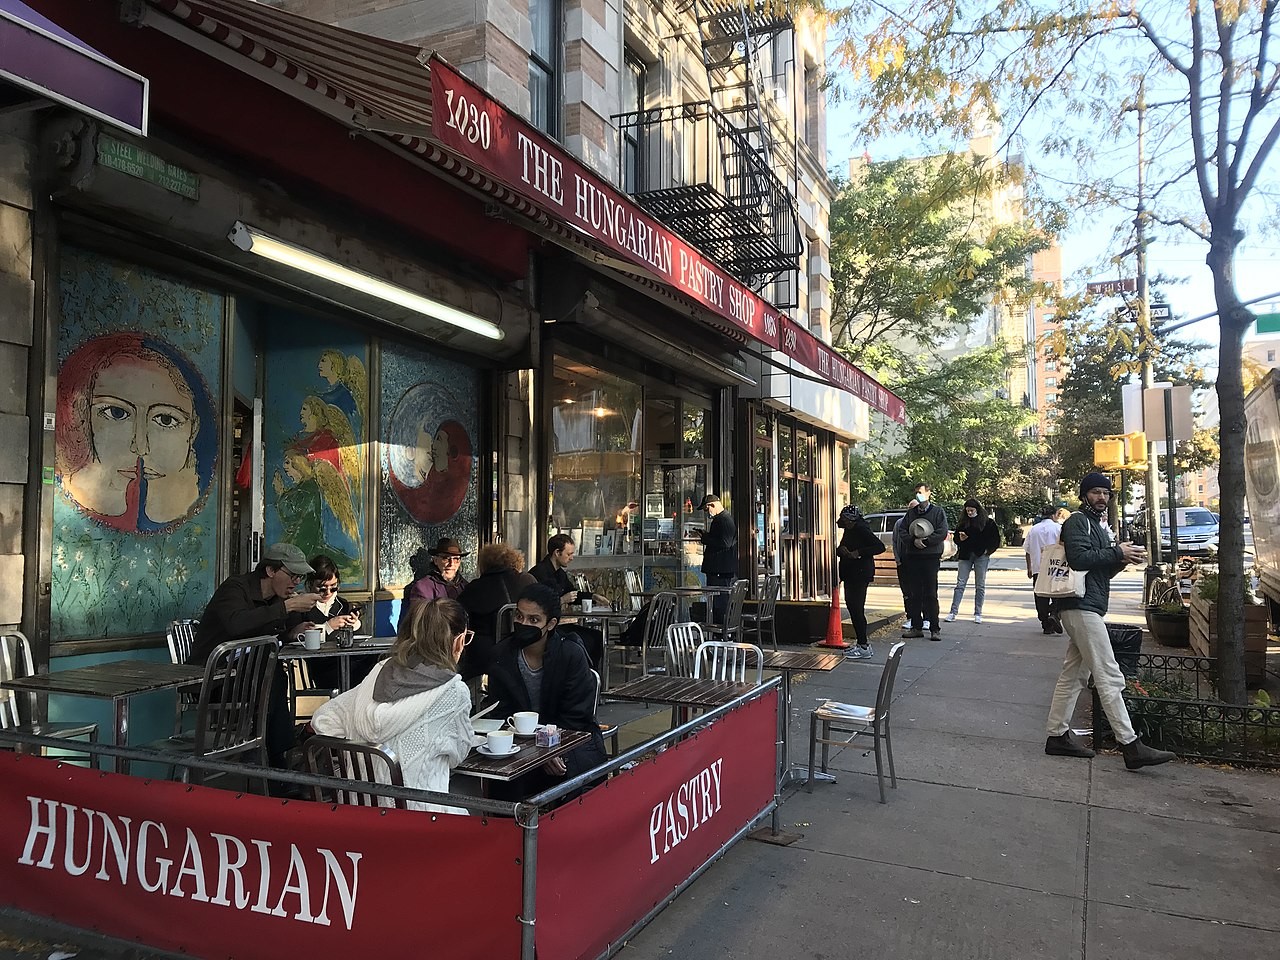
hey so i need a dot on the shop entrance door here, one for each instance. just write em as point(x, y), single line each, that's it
point(764, 523)
point(673, 492)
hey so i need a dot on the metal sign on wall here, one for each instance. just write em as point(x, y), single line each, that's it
point(142, 164)
point(469, 122)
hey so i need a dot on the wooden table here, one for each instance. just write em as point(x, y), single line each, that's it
point(529, 757)
point(681, 691)
point(789, 662)
point(330, 648)
point(118, 681)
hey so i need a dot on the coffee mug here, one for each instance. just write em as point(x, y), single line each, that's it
point(586, 605)
point(499, 741)
point(311, 639)
point(524, 722)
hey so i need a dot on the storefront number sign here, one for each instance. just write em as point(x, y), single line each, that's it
point(467, 121)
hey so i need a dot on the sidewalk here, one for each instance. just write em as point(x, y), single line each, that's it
point(989, 848)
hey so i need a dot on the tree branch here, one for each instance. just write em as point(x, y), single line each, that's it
point(1226, 54)
point(1259, 161)
point(1194, 85)
point(1181, 222)
point(1162, 48)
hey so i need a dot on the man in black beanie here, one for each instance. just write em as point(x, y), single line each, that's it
point(1090, 547)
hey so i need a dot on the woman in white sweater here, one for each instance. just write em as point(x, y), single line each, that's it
point(414, 703)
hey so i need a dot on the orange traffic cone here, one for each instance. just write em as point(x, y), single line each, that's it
point(835, 629)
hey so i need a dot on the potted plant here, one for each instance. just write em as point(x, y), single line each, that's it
point(1169, 623)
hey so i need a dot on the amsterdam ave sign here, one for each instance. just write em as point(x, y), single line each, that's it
point(471, 124)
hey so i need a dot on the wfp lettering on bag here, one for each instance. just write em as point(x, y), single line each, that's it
point(1056, 578)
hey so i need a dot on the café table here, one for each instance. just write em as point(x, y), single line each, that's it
point(603, 615)
point(529, 757)
point(118, 681)
point(688, 593)
point(680, 691)
point(789, 662)
point(330, 648)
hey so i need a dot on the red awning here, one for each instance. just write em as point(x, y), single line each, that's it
point(388, 89)
point(40, 56)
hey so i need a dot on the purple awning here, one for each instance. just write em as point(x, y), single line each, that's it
point(38, 55)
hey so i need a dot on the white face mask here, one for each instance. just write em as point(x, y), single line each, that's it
point(922, 497)
point(972, 512)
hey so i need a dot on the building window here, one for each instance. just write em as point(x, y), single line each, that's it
point(1271, 356)
point(1051, 365)
point(1050, 399)
point(633, 93)
point(544, 63)
point(1050, 382)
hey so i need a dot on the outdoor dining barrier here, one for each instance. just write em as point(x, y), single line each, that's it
point(213, 873)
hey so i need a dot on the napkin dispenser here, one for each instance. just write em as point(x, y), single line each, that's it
point(547, 735)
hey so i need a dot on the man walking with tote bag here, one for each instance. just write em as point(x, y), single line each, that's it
point(1090, 548)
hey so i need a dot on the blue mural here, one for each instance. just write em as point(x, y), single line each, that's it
point(136, 448)
point(315, 413)
point(430, 421)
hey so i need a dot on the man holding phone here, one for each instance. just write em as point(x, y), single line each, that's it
point(1090, 547)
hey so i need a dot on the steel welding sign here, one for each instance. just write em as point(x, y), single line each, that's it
point(1109, 288)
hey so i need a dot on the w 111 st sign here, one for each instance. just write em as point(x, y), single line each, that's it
point(1109, 288)
point(469, 122)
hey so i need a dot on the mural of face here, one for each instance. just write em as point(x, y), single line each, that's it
point(309, 419)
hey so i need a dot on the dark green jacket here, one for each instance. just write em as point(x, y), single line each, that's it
point(1089, 547)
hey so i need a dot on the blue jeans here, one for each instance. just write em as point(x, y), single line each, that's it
point(979, 567)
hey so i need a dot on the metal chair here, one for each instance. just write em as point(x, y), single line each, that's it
point(718, 660)
point(662, 613)
point(732, 629)
point(505, 621)
point(15, 654)
point(354, 760)
point(764, 612)
point(607, 730)
point(231, 715)
point(301, 685)
point(634, 588)
point(853, 719)
point(181, 636)
point(683, 640)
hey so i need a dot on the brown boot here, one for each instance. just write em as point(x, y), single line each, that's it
point(1067, 745)
point(1138, 755)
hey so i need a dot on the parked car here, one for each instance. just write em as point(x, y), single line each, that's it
point(1197, 530)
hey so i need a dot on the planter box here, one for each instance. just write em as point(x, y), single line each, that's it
point(1168, 629)
point(1204, 636)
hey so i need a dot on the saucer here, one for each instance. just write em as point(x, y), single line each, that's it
point(484, 748)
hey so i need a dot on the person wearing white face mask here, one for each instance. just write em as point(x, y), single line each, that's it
point(927, 530)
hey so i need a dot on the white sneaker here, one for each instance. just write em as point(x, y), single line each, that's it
point(906, 624)
point(977, 618)
point(926, 625)
point(859, 652)
point(949, 617)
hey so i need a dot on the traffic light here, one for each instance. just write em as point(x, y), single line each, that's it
point(1108, 454)
point(1135, 449)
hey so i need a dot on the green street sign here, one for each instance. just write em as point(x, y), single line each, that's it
point(1268, 322)
point(145, 165)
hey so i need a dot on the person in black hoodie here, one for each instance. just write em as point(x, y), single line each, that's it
point(857, 552)
point(977, 538)
point(501, 579)
point(923, 548)
point(544, 668)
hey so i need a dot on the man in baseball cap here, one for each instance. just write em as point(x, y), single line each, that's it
point(256, 604)
point(720, 552)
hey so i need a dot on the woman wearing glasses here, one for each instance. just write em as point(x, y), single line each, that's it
point(414, 703)
point(330, 612)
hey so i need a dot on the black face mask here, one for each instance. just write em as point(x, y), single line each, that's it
point(525, 634)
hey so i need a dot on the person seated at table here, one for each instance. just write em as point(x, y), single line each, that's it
point(500, 581)
point(331, 612)
point(258, 604)
point(552, 570)
point(436, 574)
point(543, 668)
point(413, 702)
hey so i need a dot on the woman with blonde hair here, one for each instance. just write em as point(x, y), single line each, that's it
point(413, 703)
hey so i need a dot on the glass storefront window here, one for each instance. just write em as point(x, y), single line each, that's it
point(694, 432)
point(660, 429)
point(786, 462)
point(804, 454)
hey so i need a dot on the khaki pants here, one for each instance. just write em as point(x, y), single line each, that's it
point(1089, 652)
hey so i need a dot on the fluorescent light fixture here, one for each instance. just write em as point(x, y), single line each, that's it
point(252, 240)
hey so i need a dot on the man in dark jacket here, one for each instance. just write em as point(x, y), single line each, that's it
point(857, 552)
point(719, 551)
point(543, 668)
point(254, 605)
point(553, 571)
point(1089, 547)
point(922, 557)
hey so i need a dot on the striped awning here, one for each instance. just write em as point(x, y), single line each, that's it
point(42, 58)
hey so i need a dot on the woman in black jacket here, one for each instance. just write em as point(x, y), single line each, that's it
point(502, 577)
point(977, 538)
point(544, 668)
point(857, 552)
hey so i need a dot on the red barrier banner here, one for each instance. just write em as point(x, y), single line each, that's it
point(608, 859)
point(212, 873)
point(473, 125)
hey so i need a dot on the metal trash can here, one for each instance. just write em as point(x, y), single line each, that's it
point(1126, 643)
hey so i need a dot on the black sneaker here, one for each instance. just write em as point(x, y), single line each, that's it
point(912, 634)
point(1067, 745)
point(1049, 631)
point(1057, 625)
point(1138, 755)
point(935, 635)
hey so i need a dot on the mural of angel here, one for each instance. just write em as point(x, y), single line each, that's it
point(327, 435)
point(136, 436)
point(313, 503)
point(429, 454)
point(348, 388)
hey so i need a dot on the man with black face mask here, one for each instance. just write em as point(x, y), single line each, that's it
point(544, 668)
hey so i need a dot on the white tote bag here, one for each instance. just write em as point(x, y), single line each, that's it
point(1056, 578)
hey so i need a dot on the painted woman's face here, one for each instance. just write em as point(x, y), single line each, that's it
point(310, 422)
point(440, 451)
point(137, 411)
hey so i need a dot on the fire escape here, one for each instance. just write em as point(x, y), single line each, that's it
point(707, 168)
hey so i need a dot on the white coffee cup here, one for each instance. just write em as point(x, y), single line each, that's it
point(311, 639)
point(524, 722)
point(586, 605)
point(499, 741)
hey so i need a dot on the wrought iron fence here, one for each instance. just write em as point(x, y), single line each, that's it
point(1173, 705)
